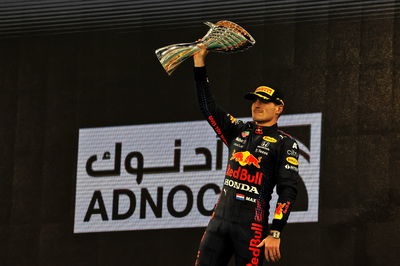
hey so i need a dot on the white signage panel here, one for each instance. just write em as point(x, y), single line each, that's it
point(169, 175)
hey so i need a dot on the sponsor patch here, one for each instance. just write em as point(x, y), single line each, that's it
point(281, 209)
point(238, 145)
point(245, 134)
point(264, 145)
point(291, 167)
point(292, 160)
point(262, 151)
point(241, 186)
point(243, 174)
point(265, 89)
point(292, 153)
point(240, 140)
point(233, 120)
point(269, 139)
point(254, 242)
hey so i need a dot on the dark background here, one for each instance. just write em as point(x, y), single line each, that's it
point(53, 84)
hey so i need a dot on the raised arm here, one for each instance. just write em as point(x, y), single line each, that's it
point(225, 125)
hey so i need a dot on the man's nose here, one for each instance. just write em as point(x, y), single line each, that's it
point(257, 102)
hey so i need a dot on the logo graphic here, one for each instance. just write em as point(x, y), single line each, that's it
point(266, 89)
point(269, 139)
point(292, 160)
point(264, 145)
point(281, 209)
point(246, 158)
point(295, 146)
point(233, 120)
point(245, 134)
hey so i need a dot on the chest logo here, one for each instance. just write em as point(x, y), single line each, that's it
point(246, 158)
point(269, 139)
point(245, 134)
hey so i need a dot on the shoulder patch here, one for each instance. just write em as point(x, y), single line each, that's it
point(233, 119)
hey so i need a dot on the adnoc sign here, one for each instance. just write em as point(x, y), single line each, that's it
point(170, 175)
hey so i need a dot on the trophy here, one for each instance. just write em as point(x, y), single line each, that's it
point(223, 36)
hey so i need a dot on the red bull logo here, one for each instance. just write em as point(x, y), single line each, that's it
point(243, 174)
point(233, 120)
point(246, 158)
point(281, 209)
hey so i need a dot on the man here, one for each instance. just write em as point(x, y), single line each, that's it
point(260, 158)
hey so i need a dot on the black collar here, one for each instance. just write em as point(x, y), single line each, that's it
point(264, 130)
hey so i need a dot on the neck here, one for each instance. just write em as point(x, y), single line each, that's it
point(266, 123)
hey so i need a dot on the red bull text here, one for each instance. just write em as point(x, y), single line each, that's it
point(257, 228)
point(243, 174)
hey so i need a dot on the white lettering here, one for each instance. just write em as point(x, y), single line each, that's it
point(240, 186)
point(292, 152)
point(291, 167)
point(262, 152)
point(240, 140)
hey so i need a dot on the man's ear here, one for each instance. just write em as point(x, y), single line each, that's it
point(279, 109)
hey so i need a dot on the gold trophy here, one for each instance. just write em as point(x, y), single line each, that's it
point(223, 36)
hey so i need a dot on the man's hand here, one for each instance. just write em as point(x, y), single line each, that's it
point(271, 245)
point(199, 58)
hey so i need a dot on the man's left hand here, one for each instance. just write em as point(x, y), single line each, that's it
point(271, 245)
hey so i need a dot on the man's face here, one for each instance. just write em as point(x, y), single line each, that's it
point(263, 111)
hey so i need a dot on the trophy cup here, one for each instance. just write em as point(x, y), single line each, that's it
point(223, 36)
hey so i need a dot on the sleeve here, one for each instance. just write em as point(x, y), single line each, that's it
point(286, 183)
point(224, 124)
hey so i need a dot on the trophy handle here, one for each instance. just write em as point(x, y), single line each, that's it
point(172, 56)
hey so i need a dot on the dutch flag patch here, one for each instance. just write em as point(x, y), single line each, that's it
point(239, 196)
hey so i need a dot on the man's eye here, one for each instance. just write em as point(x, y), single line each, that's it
point(261, 100)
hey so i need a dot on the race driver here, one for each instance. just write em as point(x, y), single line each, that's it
point(260, 157)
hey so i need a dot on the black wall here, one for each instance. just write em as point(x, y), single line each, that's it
point(50, 86)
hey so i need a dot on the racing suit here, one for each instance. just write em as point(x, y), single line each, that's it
point(260, 158)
